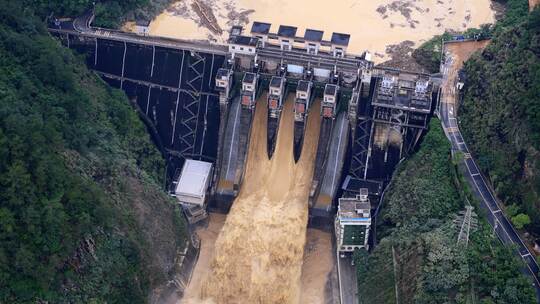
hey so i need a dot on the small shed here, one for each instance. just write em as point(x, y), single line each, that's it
point(328, 109)
point(193, 182)
point(142, 27)
point(249, 90)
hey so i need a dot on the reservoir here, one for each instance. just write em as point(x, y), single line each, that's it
point(373, 25)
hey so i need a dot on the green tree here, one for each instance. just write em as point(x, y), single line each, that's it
point(512, 210)
point(521, 220)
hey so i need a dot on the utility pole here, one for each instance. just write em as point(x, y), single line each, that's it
point(495, 227)
point(394, 261)
point(466, 221)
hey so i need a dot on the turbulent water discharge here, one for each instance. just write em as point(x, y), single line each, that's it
point(258, 255)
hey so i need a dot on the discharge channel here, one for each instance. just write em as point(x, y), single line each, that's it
point(258, 253)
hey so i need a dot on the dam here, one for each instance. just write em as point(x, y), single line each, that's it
point(287, 125)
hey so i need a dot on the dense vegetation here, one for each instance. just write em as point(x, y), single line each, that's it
point(109, 13)
point(429, 54)
point(500, 113)
point(418, 250)
point(79, 194)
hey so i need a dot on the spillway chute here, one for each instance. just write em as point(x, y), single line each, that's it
point(276, 93)
point(331, 148)
point(234, 138)
point(301, 111)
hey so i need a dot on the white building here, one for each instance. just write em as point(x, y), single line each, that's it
point(142, 27)
point(224, 79)
point(243, 45)
point(303, 97)
point(275, 96)
point(191, 188)
point(249, 90)
point(353, 222)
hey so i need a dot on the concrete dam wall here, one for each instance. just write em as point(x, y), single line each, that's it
point(198, 100)
point(173, 88)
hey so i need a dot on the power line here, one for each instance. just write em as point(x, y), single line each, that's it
point(466, 221)
point(386, 269)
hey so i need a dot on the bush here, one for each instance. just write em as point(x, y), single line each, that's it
point(430, 52)
point(521, 220)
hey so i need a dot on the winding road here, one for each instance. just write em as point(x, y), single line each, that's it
point(456, 53)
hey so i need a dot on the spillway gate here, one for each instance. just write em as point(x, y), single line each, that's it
point(197, 100)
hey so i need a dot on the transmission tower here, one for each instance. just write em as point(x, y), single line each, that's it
point(465, 221)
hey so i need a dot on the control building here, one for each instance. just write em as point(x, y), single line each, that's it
point(353, 222)
point(403, 99)
point(243, 45)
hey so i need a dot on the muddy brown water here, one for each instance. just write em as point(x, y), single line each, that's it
point(373, 25)
point(259, 251)
point(317, 266)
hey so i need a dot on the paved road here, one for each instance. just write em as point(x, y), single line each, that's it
point(82, 26)
point(503, 228)
point(348, 287)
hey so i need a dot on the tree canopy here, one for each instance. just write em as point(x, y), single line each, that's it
point(109, 13)
point(418, 250)
point(500, 111)
point(72, 153)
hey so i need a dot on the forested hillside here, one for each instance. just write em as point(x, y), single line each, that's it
point(500, 113)
point(83, 218)
point(109, 13)
point(418, 252)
